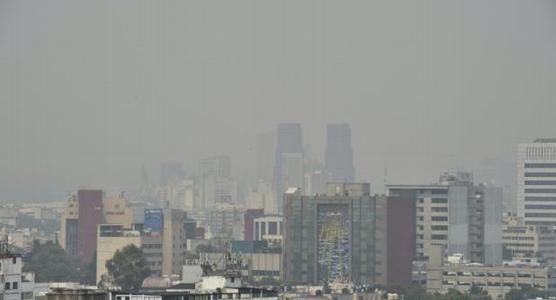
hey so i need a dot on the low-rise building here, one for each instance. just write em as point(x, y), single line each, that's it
point(529, 241)
point(442, 276)
point(268, 228)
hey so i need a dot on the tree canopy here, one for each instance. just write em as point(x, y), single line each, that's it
point(128, 268)
point(51, 263)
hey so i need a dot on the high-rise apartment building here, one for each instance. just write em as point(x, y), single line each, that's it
point(289, 146)
point(90, 216)
point(173, 241)
point(329, 237)
point(463, 217)
point(338, 153)
point(68, 238)
point(536, 182)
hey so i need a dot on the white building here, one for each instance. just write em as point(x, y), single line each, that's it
point(536, 182)
point(12, 283)
point(268, 228)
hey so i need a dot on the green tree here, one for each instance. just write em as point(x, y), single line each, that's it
point(51, 263)
point(128, 268)
point(528, 293)
point(411, 292)
point(89, 271)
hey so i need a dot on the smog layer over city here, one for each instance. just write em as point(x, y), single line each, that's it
point(280, 149)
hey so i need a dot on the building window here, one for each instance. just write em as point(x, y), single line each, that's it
point(439, 200)
point(15, 285)
point(439, 209)
point(6, 286)
point(540, 165)
point(14, 260)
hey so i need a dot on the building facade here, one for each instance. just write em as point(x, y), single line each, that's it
point(536, 182)
point(529, 241)
point(90, 216)
point(329, 237)
point(463, 217)
point(268, 228)
point(68, 238)
point(110, 239)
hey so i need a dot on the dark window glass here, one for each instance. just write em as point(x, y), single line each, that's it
point(273, 228)
point(539, 206)
point(540, 191)
point(439, 218)
point(440, 192)
point(439, 200)
point(540, 165)
point(439, 209)
point(540, 182)
point(439, 227)
point(540, 215)
point(540, 174)
point(545, 199)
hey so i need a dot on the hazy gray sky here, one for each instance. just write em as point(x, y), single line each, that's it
point(90, 90)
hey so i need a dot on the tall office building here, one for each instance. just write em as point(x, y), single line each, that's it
point(463, 217)
point(90, 216)
point(289, 147)
point(536, 182)
point(395, 240)
point(173, 241)
point(338, 153)
point(329, 237)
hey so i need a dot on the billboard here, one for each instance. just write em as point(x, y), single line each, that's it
point(154, 220)
point(333, 242)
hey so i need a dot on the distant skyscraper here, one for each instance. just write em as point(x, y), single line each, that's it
point(536, 182)
point(90, 216)
point(171, 172)
point(338, 153)
point(289, 141)
point(216, 166)
point(217, 185)
point(329, 237)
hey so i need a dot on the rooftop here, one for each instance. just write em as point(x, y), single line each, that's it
point(545, 140)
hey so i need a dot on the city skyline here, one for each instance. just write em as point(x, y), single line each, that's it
point(89, 104)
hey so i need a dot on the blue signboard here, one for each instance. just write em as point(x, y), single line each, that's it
point(154, 220)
